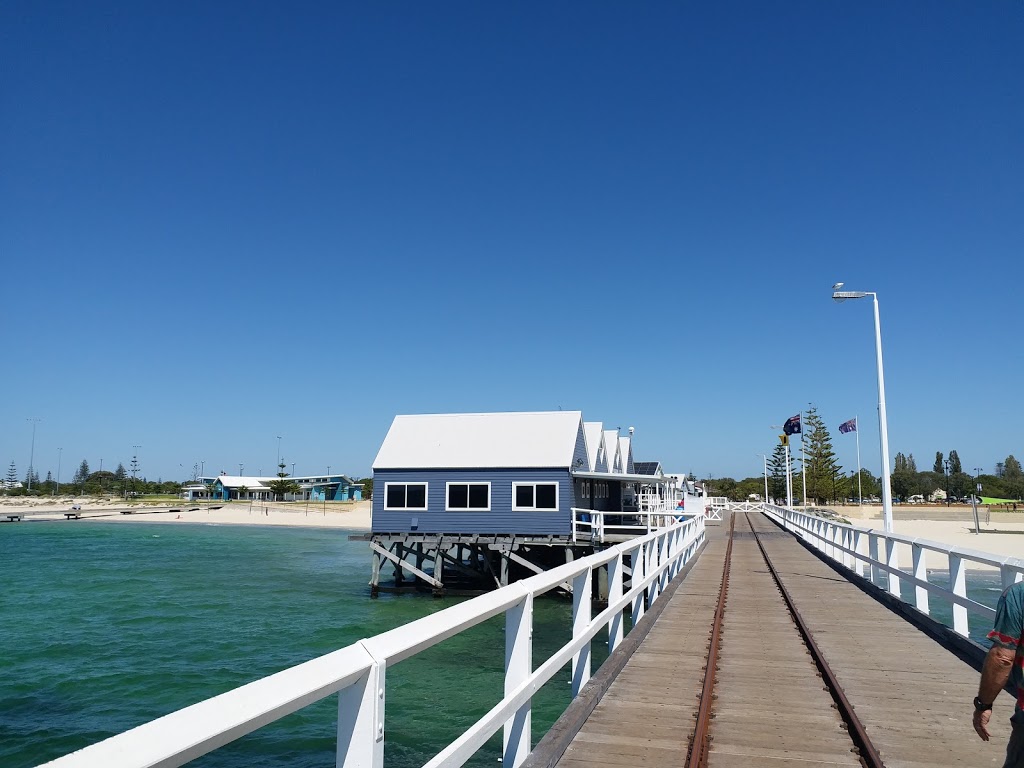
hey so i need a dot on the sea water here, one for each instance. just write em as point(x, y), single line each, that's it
point(105, 626)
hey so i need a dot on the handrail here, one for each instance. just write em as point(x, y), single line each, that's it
point(868, 553)
point(357, 672)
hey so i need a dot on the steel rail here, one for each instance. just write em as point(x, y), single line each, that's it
point(697, 755)
point(868, 754)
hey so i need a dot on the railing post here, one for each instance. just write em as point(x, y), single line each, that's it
point(614, 595)
point(920, 574)
point(518, 667)
point(638, 576)
point(958, 585)
point(1010, 576)
point(361, 721)
point(651, 558)
point(666, 572)
point(858, 548)
point(873, 553)
point(582, 585)
point(892, 560)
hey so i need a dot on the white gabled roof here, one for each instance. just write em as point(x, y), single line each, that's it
point(480, 440)
point(252, 483)
point(626, 454)
point(611, 450)
point(592, 432)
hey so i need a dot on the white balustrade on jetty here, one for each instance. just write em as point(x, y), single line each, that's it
point(868, 553)
point(358, 672)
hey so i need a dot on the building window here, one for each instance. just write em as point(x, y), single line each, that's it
point(475, 496)
point(535, 497)
point(398, 496)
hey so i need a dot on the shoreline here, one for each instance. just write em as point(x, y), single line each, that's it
point(347, 515)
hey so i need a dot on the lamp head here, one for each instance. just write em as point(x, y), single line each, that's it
point(837, 286)
point(844, 295)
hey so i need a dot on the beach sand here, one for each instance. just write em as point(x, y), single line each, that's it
point(1003, 535)
point(352, 515)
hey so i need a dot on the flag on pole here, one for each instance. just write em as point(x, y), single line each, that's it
point(848, 426)
point(792, 425)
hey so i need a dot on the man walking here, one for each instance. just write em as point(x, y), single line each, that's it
point(1004, 662)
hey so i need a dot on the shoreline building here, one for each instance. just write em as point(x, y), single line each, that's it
point(491, 497)
point(239, 488)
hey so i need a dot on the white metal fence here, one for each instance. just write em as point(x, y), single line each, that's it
point(870, 553)
point(358, 672)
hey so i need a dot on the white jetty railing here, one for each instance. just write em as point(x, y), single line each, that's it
point(868, 553)
point(357, 672)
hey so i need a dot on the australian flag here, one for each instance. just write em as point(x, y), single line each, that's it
point(792, 425)
point(848, 426)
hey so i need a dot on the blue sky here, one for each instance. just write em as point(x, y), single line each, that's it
point(222, 223)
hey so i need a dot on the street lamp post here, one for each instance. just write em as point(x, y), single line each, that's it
point(789, 470)
point(883, 424)
point(32, 452)
point(279, 450)
point(765, 457)
point(946, 464)
point(59, 452)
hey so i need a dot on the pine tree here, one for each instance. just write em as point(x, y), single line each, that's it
point(821, 465)
point(12, 476)
point(777, 473)
point(283, 484)
point(937, 468)
point(954, 463)
point(119, 473)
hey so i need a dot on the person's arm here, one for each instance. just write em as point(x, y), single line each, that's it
point(995, 673)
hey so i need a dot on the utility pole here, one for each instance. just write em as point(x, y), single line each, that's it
point(57, 489)
point(32, 452)
point(946, 463)
point(135, 469)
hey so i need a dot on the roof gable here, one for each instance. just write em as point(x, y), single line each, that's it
point(481, 440)
point(592, 431)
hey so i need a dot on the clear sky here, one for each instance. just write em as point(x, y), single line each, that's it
point(226, 222)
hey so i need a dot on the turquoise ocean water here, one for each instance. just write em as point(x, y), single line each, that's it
point(104, 626)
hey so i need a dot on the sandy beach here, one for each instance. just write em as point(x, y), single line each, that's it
point(352, 515)
point(1002, 534)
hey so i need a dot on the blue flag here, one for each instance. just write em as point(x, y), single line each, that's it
point(848, 426)
point(792, 425)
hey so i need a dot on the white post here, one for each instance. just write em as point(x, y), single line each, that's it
point(920, 574)
point(766, 499)
point(581, 592)
point(873, 539)
point(361, 721)
point(883, 426)
point(893, 562)
point(803, 462)
point(789, 479)
point(860, 485)
point(958, 585)
point(518, 667)
point(859, 547)
point(614, 595)
point(638, 576)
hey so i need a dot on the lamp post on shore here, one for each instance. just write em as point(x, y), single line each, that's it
point(765, 457)
point(946, 464)
point(59, 453)
point(789, 469)
point(32, 452)
point(883, 424)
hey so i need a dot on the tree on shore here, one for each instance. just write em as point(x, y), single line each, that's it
point(81, 475)
point(12, 476)
point(283, 484)
point(777, 473)
point(938, 467)
point(822, 469)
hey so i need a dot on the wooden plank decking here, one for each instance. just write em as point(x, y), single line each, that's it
point(913, 695)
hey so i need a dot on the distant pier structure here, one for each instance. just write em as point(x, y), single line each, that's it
point(467, 502)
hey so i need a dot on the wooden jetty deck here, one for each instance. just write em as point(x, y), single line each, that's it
point(912, 693)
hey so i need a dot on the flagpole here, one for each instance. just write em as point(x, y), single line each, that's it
point(789, 479)
point(860, 488)
point(803, 461)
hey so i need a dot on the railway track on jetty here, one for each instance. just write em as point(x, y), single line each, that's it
point(769, 658)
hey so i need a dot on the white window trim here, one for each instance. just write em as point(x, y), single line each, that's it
point(535, 483)
point(450, 483)
point(426, 497)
